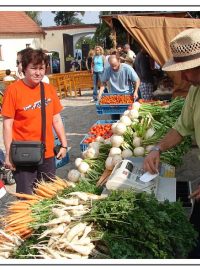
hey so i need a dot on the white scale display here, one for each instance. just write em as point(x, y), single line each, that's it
point(126, 175)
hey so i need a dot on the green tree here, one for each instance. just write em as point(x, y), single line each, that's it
point(35, 16)
point(85, 40)
point(102, 34)
point(67, 17)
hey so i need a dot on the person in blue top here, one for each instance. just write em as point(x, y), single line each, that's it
point(121, 77)
point(97, 70)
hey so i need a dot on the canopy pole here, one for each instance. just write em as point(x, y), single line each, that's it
point(128, 37)
point(113, 37)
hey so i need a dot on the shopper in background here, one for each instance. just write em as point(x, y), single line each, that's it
point(129, 58)
point(8, 77)
point(143, 66)
point(97, 70)
point(89, 59)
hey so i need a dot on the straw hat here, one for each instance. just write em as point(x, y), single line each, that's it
point(185, 48)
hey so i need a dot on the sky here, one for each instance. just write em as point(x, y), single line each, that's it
point(89, 17)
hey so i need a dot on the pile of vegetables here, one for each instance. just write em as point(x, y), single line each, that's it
point(76, 224)
point(134, 135)
point(116, 99)
point(137, 226)
point(70, 219)
point(98, 132)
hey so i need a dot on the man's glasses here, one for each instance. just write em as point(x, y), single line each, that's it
point(17, 62)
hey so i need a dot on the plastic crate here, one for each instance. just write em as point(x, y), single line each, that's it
point(63, 161)
point(84, 146)
point(112, 109)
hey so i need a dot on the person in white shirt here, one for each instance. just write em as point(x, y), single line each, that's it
point(8, 77)
point(45, 79)
point(130, 55)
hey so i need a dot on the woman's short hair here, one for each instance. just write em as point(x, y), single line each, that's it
point(36, 57)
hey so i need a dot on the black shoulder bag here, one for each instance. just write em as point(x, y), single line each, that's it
point(31, 153)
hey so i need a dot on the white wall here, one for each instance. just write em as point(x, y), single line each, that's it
point(11, 45)
point(54, 40)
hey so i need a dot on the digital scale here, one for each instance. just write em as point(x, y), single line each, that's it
point(126, 175)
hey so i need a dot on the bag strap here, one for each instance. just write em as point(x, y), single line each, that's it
point(43, 113)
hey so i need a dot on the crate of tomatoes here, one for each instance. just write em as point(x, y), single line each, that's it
point(114, 103)
point(102, 128)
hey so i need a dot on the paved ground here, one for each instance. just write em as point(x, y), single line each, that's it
point(79, 114)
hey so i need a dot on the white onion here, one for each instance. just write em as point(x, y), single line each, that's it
point(126, 153)
point(83, 167)
point(113, 127)
point(139, 151)
point(125, 120)
point(115, 151)
point(136, 105)
point(133, 114)
point(84, 153)
point(108, 164)
point(120, 129)
point(78, 162)
point(99, 139)
point(92, 152)
point(73, 175)
point(116, 140)
point(137, 141)
point(149, 147)
point(116, 159)
point(95, 145)
point(150, 132)
point(126, 112)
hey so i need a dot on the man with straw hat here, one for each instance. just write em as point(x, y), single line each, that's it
point(185, 48)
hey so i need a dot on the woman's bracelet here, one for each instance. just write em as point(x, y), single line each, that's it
point(63, 147)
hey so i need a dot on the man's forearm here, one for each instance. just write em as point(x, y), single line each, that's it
point(102, 87)
point(137, 84)
point(171, 139)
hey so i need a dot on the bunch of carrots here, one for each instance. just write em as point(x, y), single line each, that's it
point(116, 99)
point(103, 130)
point(19, 216)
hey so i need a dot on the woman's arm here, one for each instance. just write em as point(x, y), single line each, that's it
point(60, 131)
point(7, 137)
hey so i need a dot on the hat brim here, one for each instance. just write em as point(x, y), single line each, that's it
point(171, 65)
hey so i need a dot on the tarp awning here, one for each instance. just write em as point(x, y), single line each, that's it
point(154, 35)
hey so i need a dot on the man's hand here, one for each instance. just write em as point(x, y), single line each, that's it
point(99, 97)
point(135, 96)
point(196, 194)
point(151, 162)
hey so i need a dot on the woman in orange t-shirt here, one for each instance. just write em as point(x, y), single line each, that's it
point(21, 112)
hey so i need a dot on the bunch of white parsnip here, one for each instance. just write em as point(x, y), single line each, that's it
point(66, 236)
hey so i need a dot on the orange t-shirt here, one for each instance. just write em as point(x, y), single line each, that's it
point(23, 103)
